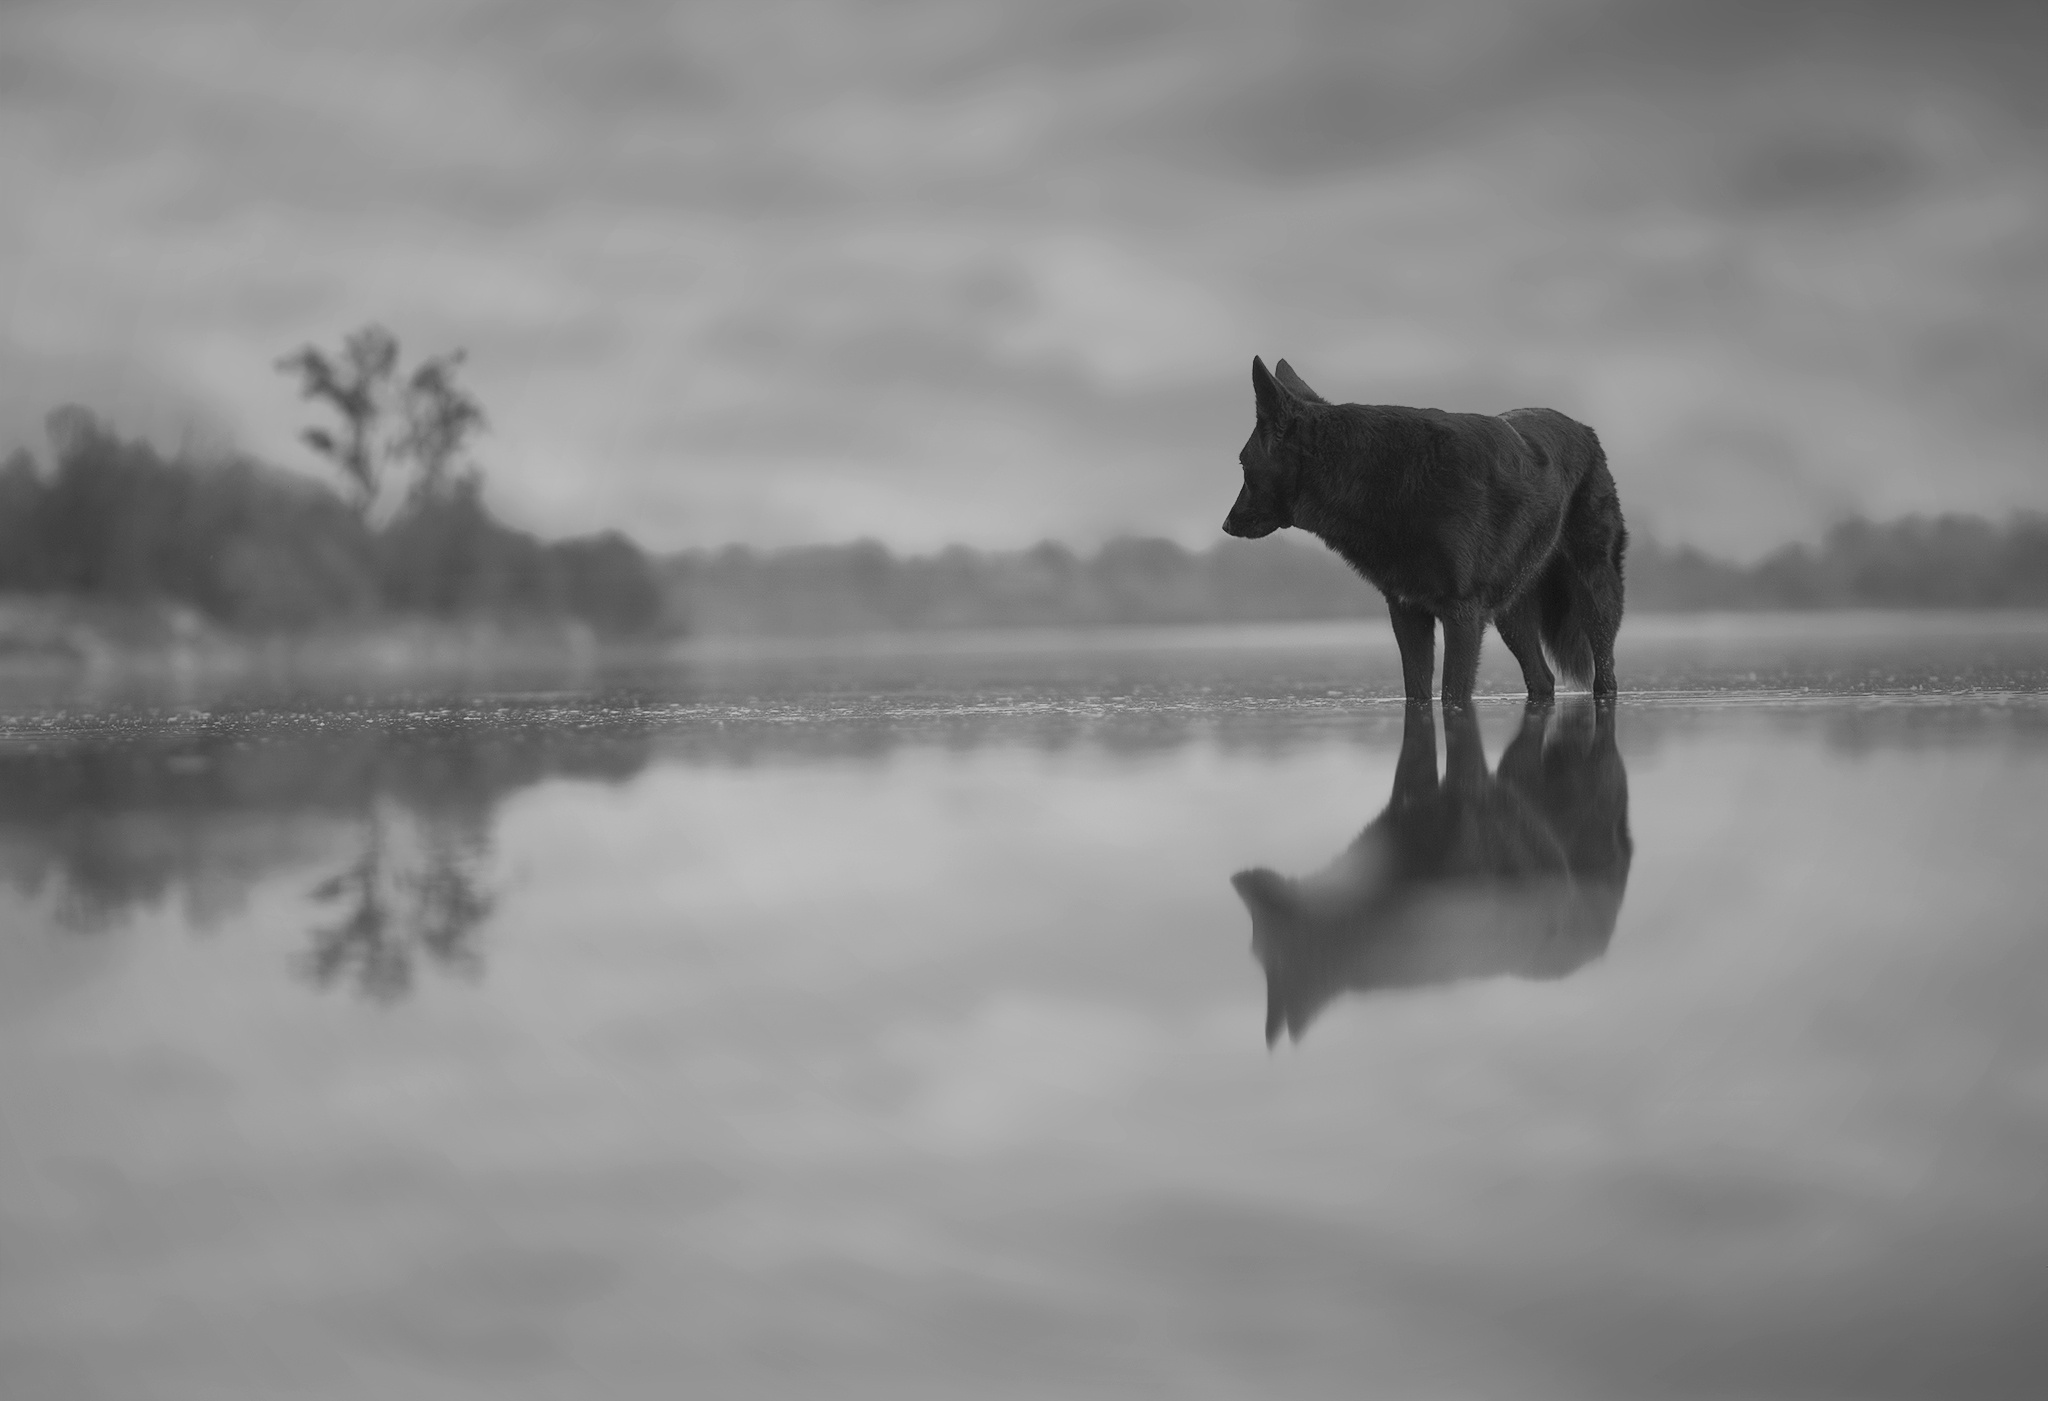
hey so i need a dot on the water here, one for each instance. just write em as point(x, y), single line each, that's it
point(888, 1023)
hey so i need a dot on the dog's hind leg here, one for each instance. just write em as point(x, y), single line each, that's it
point(1605, 686)
point(1462, 636)
point(1521, 627)
point(1604, 583)
point(1415, 631)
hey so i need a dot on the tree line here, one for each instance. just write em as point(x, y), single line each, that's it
point(1947, 561)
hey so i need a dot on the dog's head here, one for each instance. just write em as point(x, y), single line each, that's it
point(1266, 501)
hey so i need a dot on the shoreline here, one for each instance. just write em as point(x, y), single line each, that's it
point(76, 638)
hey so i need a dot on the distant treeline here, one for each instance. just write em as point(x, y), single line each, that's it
point(261, 550)
point(1948, 561)
point(1944, 562)
point(859, 587)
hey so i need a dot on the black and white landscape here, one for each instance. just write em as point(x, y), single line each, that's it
point(632, 763)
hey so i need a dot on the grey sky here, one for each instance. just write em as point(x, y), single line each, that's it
point(961, 271)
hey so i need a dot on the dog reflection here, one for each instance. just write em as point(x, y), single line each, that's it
point(1516, 872)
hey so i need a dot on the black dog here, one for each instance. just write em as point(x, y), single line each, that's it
point(1519, 872)
point(1464, 518)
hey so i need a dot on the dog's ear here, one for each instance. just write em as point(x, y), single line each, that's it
point(1295, 384)
point(1262, 891)
point(1275, 403)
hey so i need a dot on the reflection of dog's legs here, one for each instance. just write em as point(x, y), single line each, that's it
point(1541, 724)
point(1464, 753)
point(1521, 763)
point(1415, 771)
point(1603, 727)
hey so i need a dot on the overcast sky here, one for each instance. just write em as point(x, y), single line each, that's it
point(958, 271)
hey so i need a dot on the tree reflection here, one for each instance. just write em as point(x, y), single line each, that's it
point(1517, 872)
point(390, 909)
point(104, 830)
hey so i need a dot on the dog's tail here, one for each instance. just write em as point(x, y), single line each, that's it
point(1580, 592)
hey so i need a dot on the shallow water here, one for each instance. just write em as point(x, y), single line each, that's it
point(886, 1021)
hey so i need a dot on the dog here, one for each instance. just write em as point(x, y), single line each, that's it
point(1520, 872)
point(1457, 518)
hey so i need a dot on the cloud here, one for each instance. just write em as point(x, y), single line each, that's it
point(968, 271)
point(1017, 1068)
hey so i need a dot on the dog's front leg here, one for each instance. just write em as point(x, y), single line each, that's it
point(1415, 631)
point(1462, 635)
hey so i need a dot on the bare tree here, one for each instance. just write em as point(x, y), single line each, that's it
point(390, 422)
point(440, 416)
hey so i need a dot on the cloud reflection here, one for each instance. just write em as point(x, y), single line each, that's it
point(817, 1064)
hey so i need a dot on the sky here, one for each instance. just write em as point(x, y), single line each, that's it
point(962, 271)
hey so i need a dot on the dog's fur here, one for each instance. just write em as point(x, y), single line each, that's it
point(1460, 518)
point(1520, 872)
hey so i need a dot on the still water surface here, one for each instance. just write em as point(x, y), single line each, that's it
point(895, 1023)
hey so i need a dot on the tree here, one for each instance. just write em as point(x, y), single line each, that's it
point(390, 422)
point(440, 417)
